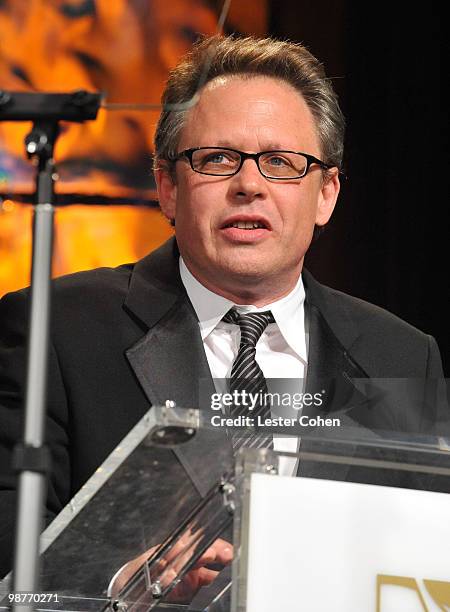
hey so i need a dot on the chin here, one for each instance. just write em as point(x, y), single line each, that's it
point(247, 269)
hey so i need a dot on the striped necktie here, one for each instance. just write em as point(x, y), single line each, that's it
point(247, 375)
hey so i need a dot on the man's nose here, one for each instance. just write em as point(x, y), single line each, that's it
point(248, 183)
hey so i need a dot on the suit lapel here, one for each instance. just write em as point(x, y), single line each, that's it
point(169, 361)
point(331, 369)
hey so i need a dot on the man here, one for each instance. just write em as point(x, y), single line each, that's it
point(247, 167)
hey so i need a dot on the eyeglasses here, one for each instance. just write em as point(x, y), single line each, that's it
point(221, 161)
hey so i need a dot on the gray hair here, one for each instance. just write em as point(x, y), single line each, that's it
point(218, 56)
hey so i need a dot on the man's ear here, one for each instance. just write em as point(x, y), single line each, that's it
point(167, 192)
point(327, 197)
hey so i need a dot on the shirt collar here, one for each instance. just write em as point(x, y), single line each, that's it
point(209, 307)
point(288, 312)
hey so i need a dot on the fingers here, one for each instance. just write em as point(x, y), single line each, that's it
point(186, 589)
point(184, 544)
point(167, 568)
point(220, 552)
point(224, 551)
point(205, 576)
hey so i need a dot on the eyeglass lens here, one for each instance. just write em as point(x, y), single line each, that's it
point(273, 164)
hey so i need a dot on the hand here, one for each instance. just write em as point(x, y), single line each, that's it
point(168, 567)
point(219, 553)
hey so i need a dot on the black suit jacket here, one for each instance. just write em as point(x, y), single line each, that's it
point(127, 338)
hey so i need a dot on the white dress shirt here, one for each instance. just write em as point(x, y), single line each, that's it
point(281, 352)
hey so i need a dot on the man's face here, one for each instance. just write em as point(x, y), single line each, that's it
point(251, 115)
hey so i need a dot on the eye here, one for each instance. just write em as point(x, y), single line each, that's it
point(283, 164)
point(216, 158)
point(277, 161)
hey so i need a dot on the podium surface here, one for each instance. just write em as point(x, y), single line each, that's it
point(337, 537)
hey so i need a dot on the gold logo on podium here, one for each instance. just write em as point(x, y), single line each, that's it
point(438, 590)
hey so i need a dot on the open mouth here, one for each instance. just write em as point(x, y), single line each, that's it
point(245, 229)
point(246, 222)
point(246, 225)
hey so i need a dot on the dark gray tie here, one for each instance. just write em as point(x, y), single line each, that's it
point(247, 375)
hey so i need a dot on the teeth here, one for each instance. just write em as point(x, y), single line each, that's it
point(247, 224)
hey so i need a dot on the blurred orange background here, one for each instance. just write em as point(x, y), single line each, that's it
point(123, 48)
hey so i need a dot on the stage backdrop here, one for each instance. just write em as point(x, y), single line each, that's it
point(125, 49)
point(387, 240)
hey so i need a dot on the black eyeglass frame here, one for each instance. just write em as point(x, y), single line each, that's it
point(310, 159)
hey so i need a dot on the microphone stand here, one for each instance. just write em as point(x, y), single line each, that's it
point(31, 457)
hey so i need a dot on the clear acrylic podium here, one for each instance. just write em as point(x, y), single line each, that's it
point(159, 497)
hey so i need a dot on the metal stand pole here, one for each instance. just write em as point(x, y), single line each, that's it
point(32, 458)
